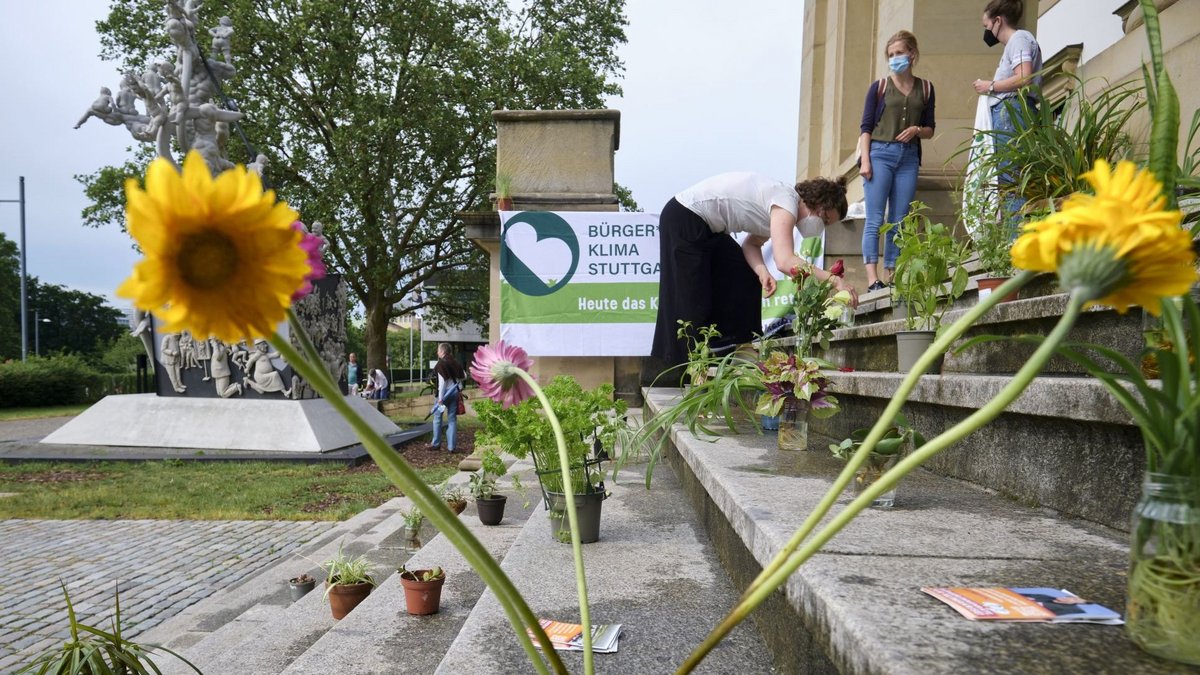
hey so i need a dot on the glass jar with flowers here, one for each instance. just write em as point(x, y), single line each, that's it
point(891, 448)
point(795, 387)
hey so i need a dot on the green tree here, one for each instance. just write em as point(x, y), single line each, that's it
point(10, 299)
point(376, 118)
point(71, 321)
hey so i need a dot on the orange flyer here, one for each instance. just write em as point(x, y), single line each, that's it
point(569, 636)
point(1048, 605)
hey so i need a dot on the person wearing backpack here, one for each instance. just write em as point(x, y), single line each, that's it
point(897, 114)
point(450, 376)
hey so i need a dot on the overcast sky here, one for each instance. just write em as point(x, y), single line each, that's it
point(706, 90)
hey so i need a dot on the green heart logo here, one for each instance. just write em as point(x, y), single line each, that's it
point(547, 226)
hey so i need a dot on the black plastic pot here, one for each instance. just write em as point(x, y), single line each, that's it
point(491, 510)
point(300, 588)
point(587, 508)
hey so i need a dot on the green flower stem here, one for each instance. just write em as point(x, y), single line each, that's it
point(773, 575)
point(564, 462)
point(399, 472)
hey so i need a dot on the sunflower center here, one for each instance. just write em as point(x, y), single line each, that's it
point(207, 259)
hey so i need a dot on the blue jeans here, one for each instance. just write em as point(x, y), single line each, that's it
point(450, 405)
point(1007, 120)
point(893, 184)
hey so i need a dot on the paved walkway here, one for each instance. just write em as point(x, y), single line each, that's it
point(162, 566)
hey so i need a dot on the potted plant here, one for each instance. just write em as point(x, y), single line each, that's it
point(899, 439)
point(488, 503)
point(818, 312)
point(452, 495)
point(929, 255)
point(301, 585)
point(91, 650)
point(590, 421)
point(348, 582)
point(794, 386)
point(413, 519)
point(504, 200)
point(422, 589)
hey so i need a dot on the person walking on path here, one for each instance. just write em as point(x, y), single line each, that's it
point(450, 377)
point(897, 114)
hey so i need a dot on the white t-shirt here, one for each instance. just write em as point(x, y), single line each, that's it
point(739, 202)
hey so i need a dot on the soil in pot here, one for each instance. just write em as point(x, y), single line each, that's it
point(491, 511)
point(421, 597)
point(458, 507)
point(300, 586)
point(345, 597)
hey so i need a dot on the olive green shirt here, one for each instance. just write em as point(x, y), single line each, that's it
point(899, 111)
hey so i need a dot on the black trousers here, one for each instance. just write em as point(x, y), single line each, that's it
point(704, 279)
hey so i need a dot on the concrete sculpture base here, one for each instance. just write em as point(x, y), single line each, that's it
point(147, 420)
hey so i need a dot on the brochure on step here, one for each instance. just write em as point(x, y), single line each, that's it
point(1047, 605)
point(568, 637)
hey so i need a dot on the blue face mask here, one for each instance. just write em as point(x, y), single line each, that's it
point(899, 63)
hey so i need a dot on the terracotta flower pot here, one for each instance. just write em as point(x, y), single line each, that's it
point(421, 597)
point(345, 597)
point(989, 284)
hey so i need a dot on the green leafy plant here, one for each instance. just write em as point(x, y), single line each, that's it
point(92, 651)
point(590, 420)
point(788, 376)
point(451, 494)
point(413, 519)
point(483, 483)
point(1060, 141)
point(344, 570)
point(818, 312)
point(699, 351)
point(929, 255)
point(432, 574)
point(898, 439)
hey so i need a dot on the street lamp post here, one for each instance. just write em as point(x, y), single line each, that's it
point(24, 311)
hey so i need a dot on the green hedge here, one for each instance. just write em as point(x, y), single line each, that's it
point(49, 381)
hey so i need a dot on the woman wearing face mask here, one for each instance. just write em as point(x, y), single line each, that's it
point(1020, 65)
point(897, 114)
point(707, 278)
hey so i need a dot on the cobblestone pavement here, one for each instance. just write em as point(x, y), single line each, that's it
point(162, 566)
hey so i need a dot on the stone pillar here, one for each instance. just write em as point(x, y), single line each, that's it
point(556, 160)
point(844, 53)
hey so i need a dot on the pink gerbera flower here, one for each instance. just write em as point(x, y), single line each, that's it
point(495, 370)
point(312, 245)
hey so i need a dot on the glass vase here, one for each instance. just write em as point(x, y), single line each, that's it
point(871, 471)
point(793, 425)
point(1163, 610)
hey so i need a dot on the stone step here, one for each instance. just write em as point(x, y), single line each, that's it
point(653, 570)
point(210, 633)
point(267, 588)
point(380, 637)
point(1065, 443)
point(872, 346)
point(859, 605)
point(259, 629)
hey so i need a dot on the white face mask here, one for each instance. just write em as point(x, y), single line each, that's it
point(811, 226)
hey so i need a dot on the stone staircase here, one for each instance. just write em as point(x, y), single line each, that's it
point(1042, 496)
point(653, 571)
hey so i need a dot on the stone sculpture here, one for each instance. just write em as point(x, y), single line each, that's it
point(261, 374)
point(170, 361)
point(221, 372)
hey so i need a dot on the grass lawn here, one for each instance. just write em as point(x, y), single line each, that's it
point(37, 413)
point(174, 489)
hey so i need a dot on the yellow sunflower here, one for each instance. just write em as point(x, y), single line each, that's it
point(221, 259)
point(1120, 245)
